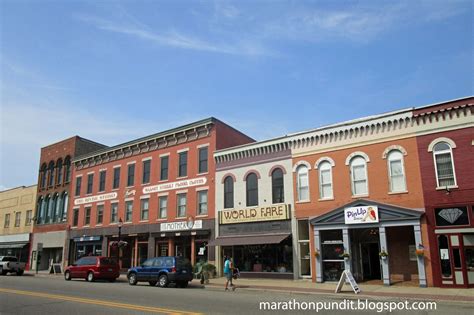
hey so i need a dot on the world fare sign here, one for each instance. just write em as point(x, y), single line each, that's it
point(360, 215)
point(267, 213)
point(175, 185)
point(90, 199)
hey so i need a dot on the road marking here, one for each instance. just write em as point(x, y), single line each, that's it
point(99, 302)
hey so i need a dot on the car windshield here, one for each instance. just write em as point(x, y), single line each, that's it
point(9, 259)
point(107, 261)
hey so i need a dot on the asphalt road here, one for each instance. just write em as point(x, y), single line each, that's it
point(44, 295)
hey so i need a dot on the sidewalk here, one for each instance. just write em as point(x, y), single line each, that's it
point(368, 290)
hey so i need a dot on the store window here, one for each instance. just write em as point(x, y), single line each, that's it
point(203, 153)
point(451, 216)
point(183, 164)
point(116, 182)
point(302, 183)
point(358, 169)
point(202, 202)
point(228, 192)
point(146, 171)
point(90, 183)
point(100, 214)
point(128, 211)
point(102, 176)
point(396, 171)
point(304, 248)
point(164, 168)
point(278, 191)
point(252, 189)
point(332, 248)
point(325, 180)
point(163, 204)
point(444, 165)
point(144, 209)
point(444, 256)
point(181, 211)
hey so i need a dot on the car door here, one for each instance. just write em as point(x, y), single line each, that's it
point(74, 269)
point(157, 265)
point(144, 271)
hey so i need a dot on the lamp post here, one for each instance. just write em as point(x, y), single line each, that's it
point(120, 223)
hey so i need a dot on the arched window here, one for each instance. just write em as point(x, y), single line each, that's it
point(67, 170)
point(57, 207)
point(302, 183)
point(444, 164)
point(51, 174)
point(325, 180)
point(65, 200)
point(252, 189)
point(396, 171)
point(59, 165)
point(358, 169)
point(40, 210)
point(228, 192)
point(278, 191)
point(43, 175)
point(48, 209)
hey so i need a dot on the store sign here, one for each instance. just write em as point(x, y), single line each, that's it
point(181, 226)
point(361, 215)
point(103, 197)
point(175, 185)
point(268, 213)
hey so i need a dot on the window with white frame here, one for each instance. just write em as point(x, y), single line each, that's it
point(396, 171)
point(202, 202)
point(163, 204)
point(181, 206)
point(359, 176)
point(444, 164)
point(325, 180)
point(302, 183)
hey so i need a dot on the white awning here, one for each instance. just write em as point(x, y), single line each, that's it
point(15, 238)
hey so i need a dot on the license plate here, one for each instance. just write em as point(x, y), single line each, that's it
point(184, 271)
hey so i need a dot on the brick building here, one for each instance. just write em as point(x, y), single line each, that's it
point(53, 192)
point(447, 168)
point(152, 196)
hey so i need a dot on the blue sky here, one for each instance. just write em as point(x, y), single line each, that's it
point(112, 71)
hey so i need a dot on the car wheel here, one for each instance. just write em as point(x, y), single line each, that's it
point(3, 272)
point(90, 276)
point(163, 281)
point(132, 279)
point(67, 276)
point(152, 283)
point(19, 272)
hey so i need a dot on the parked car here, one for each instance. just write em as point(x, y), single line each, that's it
point(10, 264)
point(162, 270)
point(92, 268)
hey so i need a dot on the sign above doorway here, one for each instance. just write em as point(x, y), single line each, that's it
point(361, 215)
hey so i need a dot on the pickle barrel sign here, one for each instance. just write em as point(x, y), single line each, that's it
point(362, 214)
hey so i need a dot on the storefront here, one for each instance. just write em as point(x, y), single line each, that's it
point(376, 242)
point(259, 240)
point(87, 246)
point(15, 245)
point(455, 245)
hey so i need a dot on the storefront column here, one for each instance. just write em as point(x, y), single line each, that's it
point(347, 248)
point(170, 247)
point(151, 246)
point(385, 266)
point(105, 246)
point(420, 259)
point(135, 254)
point(193, 250)
point(319, 260)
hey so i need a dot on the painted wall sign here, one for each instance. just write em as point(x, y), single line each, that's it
point(108, 196)
point(267, 213)
point(175, 185)
point(181, 226)
point(360, 215)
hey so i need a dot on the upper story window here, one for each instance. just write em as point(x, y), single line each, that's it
point(67, 169)
point(396, 171)
point(181, 211)
point(116, 182)
point(60, 171)
point(202, 202)
point(144, 209)
point(128, 211)
point(90, 183)
point(102, 177)
point(325, 180)
point(29, 217)
point(164, 167)
point(78, 186)
point(252, 189)
point(444, 164)
point(75, 217)
point(163, 207)
point(87, 216)
point(203, 152)
point(43, 175)
point(7, 220)
point(146, 171)
point(65, 201)
point(131, 175)
point(278, 191)
point(51, 174)
point(228, 192)
point(358, 170)
point(183, 164)
point(17, 219)
point(302, 183)
point(113, 212)
point(100, 214)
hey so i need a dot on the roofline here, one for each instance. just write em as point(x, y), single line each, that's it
point(75, 136)
point(146, 138)
point(22, 187)
point(444, 102)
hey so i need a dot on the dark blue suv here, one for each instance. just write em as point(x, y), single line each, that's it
point(162, 270)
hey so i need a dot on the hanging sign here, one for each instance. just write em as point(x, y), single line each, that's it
point(175, 185)
point(346, 276)
point(362, 214)
point(181, 226)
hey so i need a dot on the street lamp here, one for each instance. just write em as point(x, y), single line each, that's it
point(120, 223)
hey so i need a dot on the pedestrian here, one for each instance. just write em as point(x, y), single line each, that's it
point(228, 272)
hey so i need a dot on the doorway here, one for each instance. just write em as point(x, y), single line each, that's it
point(370, 261)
